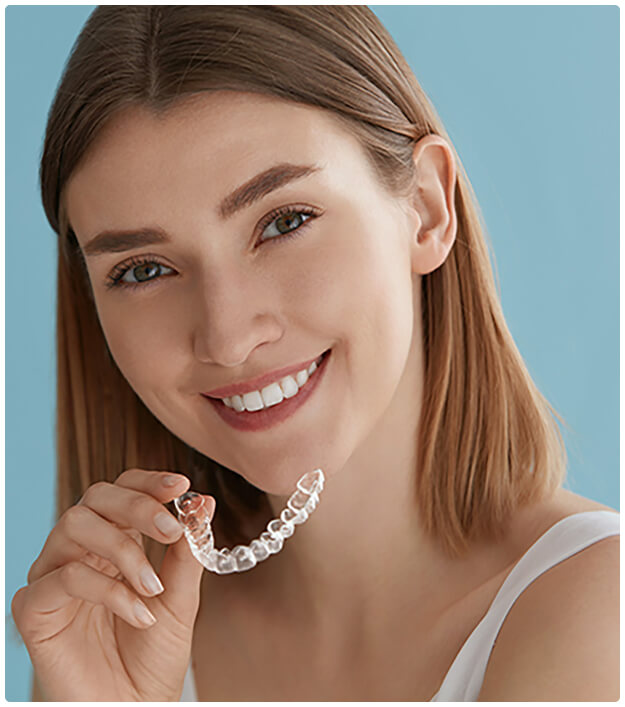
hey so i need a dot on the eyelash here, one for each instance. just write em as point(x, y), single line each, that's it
point(114, 279)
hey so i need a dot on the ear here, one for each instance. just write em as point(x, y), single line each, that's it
point(433, 217)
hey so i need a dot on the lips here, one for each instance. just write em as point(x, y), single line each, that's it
point(259, 382)
point(274, 415)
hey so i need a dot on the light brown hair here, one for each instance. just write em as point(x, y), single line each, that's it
point(487, 441)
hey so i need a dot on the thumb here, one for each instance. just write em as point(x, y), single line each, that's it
point(181, 574)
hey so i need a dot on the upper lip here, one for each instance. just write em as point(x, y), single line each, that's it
point(251, 384)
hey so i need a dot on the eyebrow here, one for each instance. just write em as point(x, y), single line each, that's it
point(243, 196)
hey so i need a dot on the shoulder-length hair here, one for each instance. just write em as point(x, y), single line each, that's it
point(487, 441)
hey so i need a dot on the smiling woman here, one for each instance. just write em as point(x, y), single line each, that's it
point(271, 262)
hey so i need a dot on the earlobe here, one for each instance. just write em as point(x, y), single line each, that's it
point(435, 221)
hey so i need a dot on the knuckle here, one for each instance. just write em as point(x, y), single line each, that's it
point(117, 591)
point(72, 575)
point(70, 572)
point(31, 572)
point(125, 545)
point(95, 488)
point(75, 516)
point(125, 475)
point(17, 604)
point(139, 505)
point(136, 536)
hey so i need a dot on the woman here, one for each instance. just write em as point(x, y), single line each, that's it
point(245, 190)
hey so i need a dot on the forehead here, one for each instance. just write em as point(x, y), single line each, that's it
point(224, 137)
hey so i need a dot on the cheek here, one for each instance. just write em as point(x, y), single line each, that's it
point(355, 292)
point(381, 320)
point(340, 272)
point(373, 276)
point(141, 346)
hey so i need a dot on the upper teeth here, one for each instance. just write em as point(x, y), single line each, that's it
point(272, 394)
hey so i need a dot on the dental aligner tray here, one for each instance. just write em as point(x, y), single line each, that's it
point(195, 521)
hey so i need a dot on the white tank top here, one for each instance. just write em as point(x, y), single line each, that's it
point(463, 680)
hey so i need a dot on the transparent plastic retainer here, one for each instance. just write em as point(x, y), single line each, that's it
point(195, 521)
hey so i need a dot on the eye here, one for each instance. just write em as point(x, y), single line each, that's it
point(286, 222)
point(143, 269)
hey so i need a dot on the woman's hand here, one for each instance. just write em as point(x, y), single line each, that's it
point(78, 613)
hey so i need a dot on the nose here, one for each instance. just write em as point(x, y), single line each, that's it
point(233, 317)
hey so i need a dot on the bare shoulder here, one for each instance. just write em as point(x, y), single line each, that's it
point(560, 640)
point(571, 502)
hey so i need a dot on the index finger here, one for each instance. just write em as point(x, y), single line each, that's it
point(156, 483)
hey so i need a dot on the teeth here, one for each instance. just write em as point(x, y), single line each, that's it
point(253, 401)
point(237, 403)
point(301, 378)
point(272, 394)
point(289, 386)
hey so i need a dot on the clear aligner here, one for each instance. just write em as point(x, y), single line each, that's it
point(195, 521)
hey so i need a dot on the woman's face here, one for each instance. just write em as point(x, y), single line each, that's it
point(223, 298)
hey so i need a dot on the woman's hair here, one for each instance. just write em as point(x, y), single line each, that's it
point(487, 442)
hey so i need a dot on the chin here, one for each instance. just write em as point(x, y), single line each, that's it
point(278, 479)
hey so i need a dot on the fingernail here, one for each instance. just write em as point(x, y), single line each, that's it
point(166, 523)
point(143, 614)
point(172, 480)
point(150, 581)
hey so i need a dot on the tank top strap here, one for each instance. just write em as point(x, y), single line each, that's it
point(189, 693)
point(568, 536)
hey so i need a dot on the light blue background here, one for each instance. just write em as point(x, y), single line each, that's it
point(530, 98)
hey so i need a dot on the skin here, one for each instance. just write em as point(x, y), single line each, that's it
point(233, 307)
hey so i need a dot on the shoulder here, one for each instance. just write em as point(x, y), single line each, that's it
point(560, 639)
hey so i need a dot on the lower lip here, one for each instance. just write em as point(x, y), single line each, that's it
point(274, 415)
